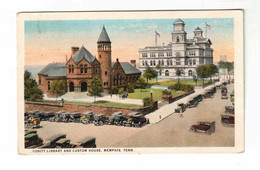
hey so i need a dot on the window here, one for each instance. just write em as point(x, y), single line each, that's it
point(171, 62)
point(154, 62)
point(194, 62)
point(143, 63)
point(105, 72)
point(190, 73)
point(186, 61)
point(144, 54)
point(151, 62)
point(178, 54)
point(85, 68)
point(81, 68)
point(177, 39)
point(178, 61)
point(72, 68)
point(162, 62)
point(40, 80)
point(99, 56)
point(49, 85)
point(169, 54)
point(159, 62)
point(69, 68)
point(168, 63)
point(166, 72)
point(190, 62)
point(161, 54)
point(152, 55)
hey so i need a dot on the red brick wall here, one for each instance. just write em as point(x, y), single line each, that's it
point(76, 108)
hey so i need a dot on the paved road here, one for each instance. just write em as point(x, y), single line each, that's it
point(174, 130)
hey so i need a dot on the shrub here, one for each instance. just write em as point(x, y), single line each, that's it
point(181, 87)
point(166, 92)
point(148, 101)
point(114, 90)
point(121, 90)
point(129, 88)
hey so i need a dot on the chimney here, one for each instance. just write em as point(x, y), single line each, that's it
point(117, 60)
point(74, 50)
point(133, 63)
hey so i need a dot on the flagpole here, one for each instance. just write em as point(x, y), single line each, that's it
point(206, 30)
point(155, 39)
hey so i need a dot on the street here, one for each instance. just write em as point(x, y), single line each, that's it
point(171, 131)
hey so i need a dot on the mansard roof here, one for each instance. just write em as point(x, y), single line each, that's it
point(178, 21)
point(103, 36)
point(54, 70)
point(128, 68)
point(83, 53)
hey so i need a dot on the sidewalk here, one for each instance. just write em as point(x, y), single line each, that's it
point(168, 109)
point(83, 97)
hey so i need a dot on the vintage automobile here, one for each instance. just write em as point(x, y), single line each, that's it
point(27, 132)
point(56, 117)
point(198, 98)
point(75, 117)
point(224, 93)
point(100, 119)
point(129, 119)
point(232, 96)
point(32, 122)
point(32, 140)
point(230, 109)
point(139, 120)
point(51, 142)
point(88, 142)
point(180, 108)
point(206, 127)
point(47, 116)
point(207, 94)
point(192, 102)
point(227, 120)
point(87, 117)
point(119, 119)
point(111, 120)
point(64, 143)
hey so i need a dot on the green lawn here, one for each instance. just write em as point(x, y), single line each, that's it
point(157, 93)
point(104, 103)
point(171, 82)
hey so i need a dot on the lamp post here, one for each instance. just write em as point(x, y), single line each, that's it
point(151, 94)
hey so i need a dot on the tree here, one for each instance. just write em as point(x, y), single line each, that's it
point(203, 71)
point(96, 87)
point(228, 65)
point(140, 83)
point(213, 69)
point(178, 73)
point(31, 89)
point(58, 87)
point(150, 74)
point(129, 88)
point(114, 90)
point(158, 67)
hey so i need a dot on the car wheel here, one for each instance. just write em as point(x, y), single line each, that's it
point(208, 132)
point(192, 129)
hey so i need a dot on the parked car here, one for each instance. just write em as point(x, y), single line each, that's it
point(224, 93)
point(198, 98)
point(206, 127)
point(51, 142)
point(139, 120)
point(227, 120)
point(56, 117)
point(87, 117)
point(230, 109)
point(100, 119)
point(32, 140)
point(64, 143)
point(32, 122)
point(180, 108)
point(27, 132)
point(75, 117)
point(232, 96)
point(88, 142)
point(112, 118)
point(192, 103)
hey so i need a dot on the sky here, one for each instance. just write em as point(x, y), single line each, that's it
point(51, 41)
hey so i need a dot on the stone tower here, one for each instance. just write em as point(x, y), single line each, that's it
point(179, 37)
point(104, 58)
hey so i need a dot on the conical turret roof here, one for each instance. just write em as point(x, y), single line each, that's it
point(103, 36)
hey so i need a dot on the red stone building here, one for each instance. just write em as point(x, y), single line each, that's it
point(82, 67)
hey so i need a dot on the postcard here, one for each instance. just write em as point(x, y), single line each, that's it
point(130, 82)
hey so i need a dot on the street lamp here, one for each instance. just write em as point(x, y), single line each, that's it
point(151, 94)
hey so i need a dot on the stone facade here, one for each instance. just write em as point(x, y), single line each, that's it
point(180, 54)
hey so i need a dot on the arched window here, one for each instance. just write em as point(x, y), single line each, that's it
point(190, 73)
point(81, 68)
point(171, 62)
point(194, 62)
point(151, 62)
point(85, 68)
point(69, 68)
point(166, 72)
point(190, 62)
point(154, 62)
point(178, 54)
point(177, 39)
point(143, 63)
point(159, 62)
point(162, 62)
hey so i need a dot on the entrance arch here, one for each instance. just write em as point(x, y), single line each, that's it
point(71, 87)
point(84, 86)
point(166, 72)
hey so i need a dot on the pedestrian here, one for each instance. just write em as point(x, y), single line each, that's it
point(160, 117)
point(181, 115)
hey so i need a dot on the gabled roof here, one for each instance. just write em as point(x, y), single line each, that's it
point(54, 70)
point(128, 68)
point(103, 36)
point(83, 53)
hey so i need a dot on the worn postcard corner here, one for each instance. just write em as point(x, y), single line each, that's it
point(130, 82)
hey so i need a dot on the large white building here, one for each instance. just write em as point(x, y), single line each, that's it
point(182, 53)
